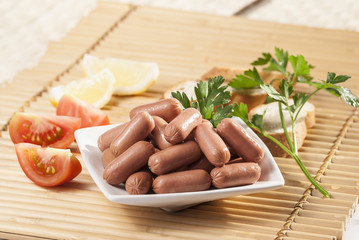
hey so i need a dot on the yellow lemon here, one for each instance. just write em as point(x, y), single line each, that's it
point(131, 77)
point(96, 89)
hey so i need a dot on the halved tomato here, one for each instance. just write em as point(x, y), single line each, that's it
point(47, 166)
point(52, 131)
point(89, 114)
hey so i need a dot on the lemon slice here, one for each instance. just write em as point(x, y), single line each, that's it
point(131, 77)
point(96, 89)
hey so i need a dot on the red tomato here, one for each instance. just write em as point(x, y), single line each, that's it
point(89, 114)
point(47, 166)
point(53, 131)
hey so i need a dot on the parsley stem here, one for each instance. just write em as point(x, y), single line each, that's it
point(303, 103)
point(284, 126)
point(300, 164)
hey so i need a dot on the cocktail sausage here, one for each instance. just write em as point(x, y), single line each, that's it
point(211, 144)
point(180, 127)
point(203, 163)
point(130, 161)
point(136, 130)
point(235, 174)
point(174, 157)
point(240, 140)
point(107, 157)
point(104, 140)
point(139, 182)
point(157, 135)
point(185, 181)
point(167, 109)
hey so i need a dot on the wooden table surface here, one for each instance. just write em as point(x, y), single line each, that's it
point(186, 45)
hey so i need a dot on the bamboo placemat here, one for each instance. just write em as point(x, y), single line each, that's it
point(186, 45)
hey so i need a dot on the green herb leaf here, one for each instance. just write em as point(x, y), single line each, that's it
point(241, 111)
point(286, 88)
point(330, 86)
point(262, 61)
point(304, 78)
point(275, 66)
point(221, 113)
point(273, 93)
point(182, 98)
point(280, 64)
point(332, 78)
point(344, 93)
point(250, 79)
point(201, 93)
point(300, 65)
point(257, 120)
point(210, 98)
point(282, 57)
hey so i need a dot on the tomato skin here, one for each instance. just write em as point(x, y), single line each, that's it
point(35, 160)
point(89, 114)
point(46, 130)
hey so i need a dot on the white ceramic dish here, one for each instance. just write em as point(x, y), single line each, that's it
point(86, 138)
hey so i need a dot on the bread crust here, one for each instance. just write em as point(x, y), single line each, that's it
point(251, 97)
point(301, 128)
point(300, 131)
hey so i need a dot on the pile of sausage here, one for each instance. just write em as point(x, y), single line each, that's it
point(168, 150)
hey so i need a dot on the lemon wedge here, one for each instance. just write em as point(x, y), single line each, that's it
point(96, 89)
point(131, 77)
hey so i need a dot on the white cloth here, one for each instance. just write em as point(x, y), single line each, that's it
point(330, 14)
point(26, 27)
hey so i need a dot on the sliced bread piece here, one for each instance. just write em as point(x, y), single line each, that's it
point(272, 125)
point(227, 73)
point(230, 73)
point(186, 86)
point(251, 97)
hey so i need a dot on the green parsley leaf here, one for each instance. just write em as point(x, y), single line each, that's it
point(257, 120)
point(241, 111)
point(221, 113)
point(286, 88)
point(339, 91)
point(262, 61)
point(282, 57)
point(273, 93)
point(275, 66)
point(182, 97)
point(250, 79)
point(279, 64)
point(344, 93)
point(210, 98)
point(332, 78)
point(299, 100)
point(300, 65)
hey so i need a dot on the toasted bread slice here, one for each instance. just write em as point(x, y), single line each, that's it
point(251, 97)
point(229, 73)
point(186, 86)
point(272, 125)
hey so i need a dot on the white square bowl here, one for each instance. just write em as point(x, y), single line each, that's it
point(271, 177)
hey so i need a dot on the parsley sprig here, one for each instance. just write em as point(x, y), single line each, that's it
point(301, 73)
point(211, 98)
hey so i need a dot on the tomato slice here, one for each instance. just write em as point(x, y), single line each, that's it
point(89, 114)
point(47, 166)
point(52, 131)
